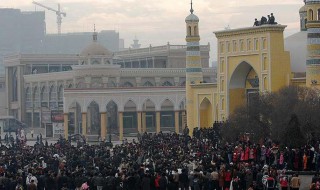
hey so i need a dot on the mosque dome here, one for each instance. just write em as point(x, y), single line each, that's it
point(303, 9)
point(192, 18)
point(312, 1)
point(95, 49)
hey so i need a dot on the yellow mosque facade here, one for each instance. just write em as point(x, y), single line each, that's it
point(250, 60)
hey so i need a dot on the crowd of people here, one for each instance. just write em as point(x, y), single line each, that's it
point(264, 20)
point(164, 161)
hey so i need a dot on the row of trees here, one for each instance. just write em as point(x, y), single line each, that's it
point(290, 117)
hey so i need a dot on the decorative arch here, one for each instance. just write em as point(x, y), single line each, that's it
point(196, 31)
point(60, 93)
point(93, 119)
point(28, 97)
point(127, 84)
point(167, 83)
point(36, 94)
point(310, 14)
point(75, 118)
point(205, 110)
point(167, 119)
point(189, 31)
point(44, 96)
point(148, 83)
point(243, 83)
point(112, 115)
point(53, 97)
point(130, 120)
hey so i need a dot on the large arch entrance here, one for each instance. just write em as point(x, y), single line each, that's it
point(243, 86)
point(93, 119)
point(205, 113)
point(149, 121)
point(75, 119)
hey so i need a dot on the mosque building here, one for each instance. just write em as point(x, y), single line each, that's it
point(97, 92)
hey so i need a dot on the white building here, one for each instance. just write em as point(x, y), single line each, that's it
point(97, 91)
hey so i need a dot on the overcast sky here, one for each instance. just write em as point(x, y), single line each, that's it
point(157, 22)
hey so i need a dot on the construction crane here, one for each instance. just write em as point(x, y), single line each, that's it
point(58, 12)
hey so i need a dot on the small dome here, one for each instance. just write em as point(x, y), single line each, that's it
point(95, 49)
point(303, 9)
point(312, 1)
point(192, 18)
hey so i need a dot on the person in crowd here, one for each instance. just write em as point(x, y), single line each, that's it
point(295, 182)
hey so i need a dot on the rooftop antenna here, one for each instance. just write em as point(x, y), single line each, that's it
point(191, 10)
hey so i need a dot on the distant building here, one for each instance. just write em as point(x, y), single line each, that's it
point(25, 32)
point(135, 44)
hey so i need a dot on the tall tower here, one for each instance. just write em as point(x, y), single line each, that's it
point(193, 65)
point(313, 45)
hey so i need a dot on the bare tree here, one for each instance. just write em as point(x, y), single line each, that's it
point(280, 115)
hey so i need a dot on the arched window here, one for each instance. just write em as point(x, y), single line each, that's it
point(148, 83)
point(256, 44)
point(167, 83)
point(264, 43)
point(53, 93)
point(265, 83)
point(189, 31)
point(60, 93)
point(196, 31)
point(310, 14)
point(249, 45)
point(318, 15)
point(36, 97)
point(44, 94)
point(241, 45)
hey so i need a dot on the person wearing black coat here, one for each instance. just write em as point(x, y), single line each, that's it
point(163, 182)
point(145, 183)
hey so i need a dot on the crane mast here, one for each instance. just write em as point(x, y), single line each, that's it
point(58, 12)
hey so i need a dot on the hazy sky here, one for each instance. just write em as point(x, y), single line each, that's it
point(157, 22)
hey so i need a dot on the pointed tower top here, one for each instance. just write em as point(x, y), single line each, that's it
point(95, 34)
point(191, 10)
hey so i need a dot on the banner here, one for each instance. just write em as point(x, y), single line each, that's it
point(58, 129)
point(57, 116)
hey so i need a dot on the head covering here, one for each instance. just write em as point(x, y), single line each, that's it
point(85, 186)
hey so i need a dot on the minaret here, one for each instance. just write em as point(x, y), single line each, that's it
point(95, 34)
point(136, 44)
point(193, 65)
point(313, 45)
